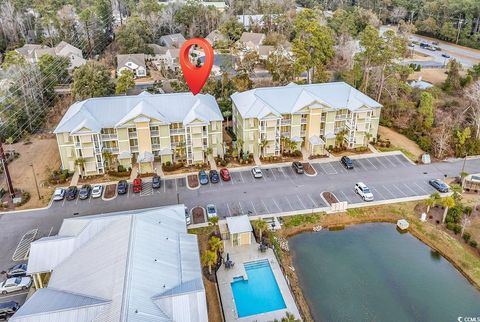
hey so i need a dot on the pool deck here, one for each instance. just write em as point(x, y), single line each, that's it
point(248, 253)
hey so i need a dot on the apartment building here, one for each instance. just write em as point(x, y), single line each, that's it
point(139, 129)
point(309, 115)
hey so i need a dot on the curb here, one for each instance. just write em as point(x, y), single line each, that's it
point(310, 175)
point(109, 199)
point(188, 185)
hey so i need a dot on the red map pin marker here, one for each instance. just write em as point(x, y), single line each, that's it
point(196, 76)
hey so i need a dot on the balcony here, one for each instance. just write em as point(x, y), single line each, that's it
point(285, 134)
point(111, 150)
point(341, 117)
point(302, 133)
point(134, 148)
point(154, 133)
point(109, 137)
point(155, 146)
point(132, 135)
point(303, 120)
point(286, 121)
point(99, 165)
point(97, 149)
point(77, 144)
point(180, 131)
point(205, 133)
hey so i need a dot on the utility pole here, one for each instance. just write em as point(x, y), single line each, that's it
point(460, 21)
point(6, 172)
point(36, 183)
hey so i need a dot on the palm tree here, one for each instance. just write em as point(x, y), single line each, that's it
point(457, 191)
point(215, 244)
point(263, 144)
point(108, 157)
point(209, 259)
point(289, 317)
point(261, 225)
point(239, 146)
point(432, 201)
point(368, 136)
point(80, 163)
point(447, 202)
point(214, 222)
point(340, 136)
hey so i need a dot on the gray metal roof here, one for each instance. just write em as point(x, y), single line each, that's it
point(137, 59)
point(138, 266)
point(109, 112)
point(261, 102)
point(239, 224)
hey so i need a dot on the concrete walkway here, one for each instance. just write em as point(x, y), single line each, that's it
point(213, 164)
point(134, 172)
point(76, 176)
point(157, 167)
point(257, 160)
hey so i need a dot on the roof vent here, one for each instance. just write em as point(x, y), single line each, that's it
point(155, 260)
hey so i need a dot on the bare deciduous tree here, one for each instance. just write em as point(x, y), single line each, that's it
point(472, 96)
point(441, 139)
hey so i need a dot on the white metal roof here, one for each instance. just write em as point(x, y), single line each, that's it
point(135, 266)
point(290, 99)
point(239, 224)
point(110, 112)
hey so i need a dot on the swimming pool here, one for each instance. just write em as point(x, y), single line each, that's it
point(258, 294)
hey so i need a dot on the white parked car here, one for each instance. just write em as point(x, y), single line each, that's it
point(211, 211)
point(97, 191)
point(362, 190)
point(15, 284)
point(257, 172)
point(59, 194)
point(188, 219)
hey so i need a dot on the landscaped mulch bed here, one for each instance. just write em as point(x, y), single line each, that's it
point(329, 197)
point(110, 191)
point(307, 167)
point(198, 215)
point(192, 180)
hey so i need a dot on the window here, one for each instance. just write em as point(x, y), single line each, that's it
point(214, 126)
point(251, 122)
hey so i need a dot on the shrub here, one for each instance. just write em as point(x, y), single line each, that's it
point(466, 237)
point(168, 163)
point(473, 243)
point(450, 225)
point(121, 168)
point(457, 229)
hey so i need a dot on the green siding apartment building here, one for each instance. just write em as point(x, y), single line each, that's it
point(310, 115)
point(138, 129)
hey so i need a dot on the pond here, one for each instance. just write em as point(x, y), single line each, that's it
point(371, 272)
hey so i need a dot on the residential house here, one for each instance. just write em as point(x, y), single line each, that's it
point(139, 265)
point(171, 58)
point(137, 129)
point(173, 40)
point(133, 62)
point(310, 115)
point(158, 51)
point(33, 52)
point(265, 51)
point(249, 20)
point(214, 37)
point(251, 40)
point(237, 231)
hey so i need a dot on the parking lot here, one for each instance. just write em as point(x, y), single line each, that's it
point(281, 189)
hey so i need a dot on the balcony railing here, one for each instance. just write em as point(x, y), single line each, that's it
point(177, 131)
point(134, 148)
point(303, 120)
point(132, 135)
point(286, 134)
point(154, 133)
point(155, 146)
point(302, 133)
point(77, 144)
point(341, 117)
point(99, 165)
point(97, 150)
point(286, 121)
point(109, 137)
point(205, 133)
point(111, 150)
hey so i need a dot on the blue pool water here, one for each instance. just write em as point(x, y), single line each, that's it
point(258, 294)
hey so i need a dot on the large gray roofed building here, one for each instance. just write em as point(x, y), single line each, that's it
point(129, 266)
point(112, 112)
point(291, 98)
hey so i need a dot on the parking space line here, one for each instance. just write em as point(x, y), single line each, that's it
point(240, 207)
point(63, 202)
point(408, 187)
point(254, 209)
point(273, 173)
point(313, 201)
point(331, 166)
point(403, 193)
point(371, 163)
point(381, 194)
point(391, 162)
point(165, 186)
point(289, 204)
point(359, 164)
point(268, 210)
point(229, 211)
point(420, 187)
point(275, 203)
point(402, 159)
point(241, 176)
point(303, 205)
point(23, 246)
point(388, 191)
point(343, 193)
point(379, 159)
point(176, 185)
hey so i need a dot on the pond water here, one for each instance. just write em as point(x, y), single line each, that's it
point(371, 272)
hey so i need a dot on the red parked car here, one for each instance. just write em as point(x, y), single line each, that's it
point(225, 174)
point(137, 185)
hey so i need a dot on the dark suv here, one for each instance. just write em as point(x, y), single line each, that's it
point(297, 166)
point(122, 187)
point(156, 182)
point(214, 177)
point(71, 193)
point(84, 192)
point(347, 162)
point(7, 309)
